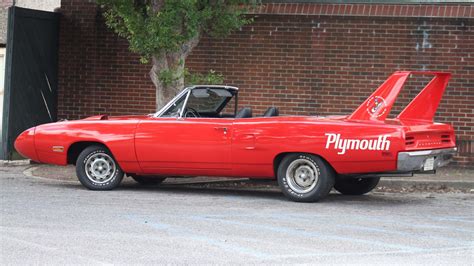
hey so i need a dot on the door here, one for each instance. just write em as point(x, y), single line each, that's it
point(31, 69)
point(184, 146)
point(2, 83)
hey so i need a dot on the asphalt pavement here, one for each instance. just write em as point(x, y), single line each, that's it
point(46, 221)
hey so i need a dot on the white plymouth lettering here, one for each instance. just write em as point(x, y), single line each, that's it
point(382, 143)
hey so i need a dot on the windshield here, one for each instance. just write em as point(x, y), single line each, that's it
point(208, 100)
point(203, 102)
point(175, 109)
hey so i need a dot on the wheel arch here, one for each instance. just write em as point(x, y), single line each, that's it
point(77, 147)
point(279, 157)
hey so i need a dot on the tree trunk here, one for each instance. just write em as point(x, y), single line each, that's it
point(165, 92)
point(173, 62)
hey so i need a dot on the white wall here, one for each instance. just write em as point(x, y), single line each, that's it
point(46, 5)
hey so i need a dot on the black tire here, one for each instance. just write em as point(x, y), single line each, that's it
point(356, 186)
point(310, 181)
point(97, 169)
point(148, 180)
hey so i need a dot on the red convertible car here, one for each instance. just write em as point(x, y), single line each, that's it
point(203, 132)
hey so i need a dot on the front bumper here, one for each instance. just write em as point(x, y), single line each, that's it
point(419, 161)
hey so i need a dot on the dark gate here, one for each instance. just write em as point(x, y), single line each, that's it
point(31, 70)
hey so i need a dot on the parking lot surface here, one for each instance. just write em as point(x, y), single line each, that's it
point(57, 222)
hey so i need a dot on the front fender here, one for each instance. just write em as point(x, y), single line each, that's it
point(53, 140)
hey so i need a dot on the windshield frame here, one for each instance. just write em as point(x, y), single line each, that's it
point(173, 101)
point(187, 91)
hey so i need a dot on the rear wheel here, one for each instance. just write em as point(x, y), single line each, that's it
point(305, 177)
point(148, 180)
point(96, 169)
point(356, 186)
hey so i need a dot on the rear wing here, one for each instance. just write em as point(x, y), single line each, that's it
point(423, 107)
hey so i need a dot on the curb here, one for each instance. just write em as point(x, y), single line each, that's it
point(6, 163)
point(441, 184)
point(29, 173)
point(391, 184)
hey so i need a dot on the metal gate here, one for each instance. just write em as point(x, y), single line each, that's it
point(30, 73)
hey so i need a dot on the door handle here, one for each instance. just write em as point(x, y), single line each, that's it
point(224, 129)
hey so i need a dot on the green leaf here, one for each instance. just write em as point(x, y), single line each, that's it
point(209, 78)
point(151, 32)
point(157, 27)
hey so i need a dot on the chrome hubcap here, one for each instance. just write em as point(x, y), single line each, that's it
point(302, 175)
point(100, 168)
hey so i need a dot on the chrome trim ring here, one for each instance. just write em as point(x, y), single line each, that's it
point(302, 175)
point(100, 168)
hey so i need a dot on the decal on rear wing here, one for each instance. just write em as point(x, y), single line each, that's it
point(423, 107)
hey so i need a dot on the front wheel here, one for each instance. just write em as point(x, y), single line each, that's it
point(305, 177)
point(356, 186)
point(96, 169)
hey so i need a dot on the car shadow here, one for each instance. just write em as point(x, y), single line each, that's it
point(272, 193)
point(207, 189)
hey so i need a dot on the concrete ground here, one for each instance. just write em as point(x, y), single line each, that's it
point(45, 221)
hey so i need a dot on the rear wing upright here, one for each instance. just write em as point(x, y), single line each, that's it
point(423, 107)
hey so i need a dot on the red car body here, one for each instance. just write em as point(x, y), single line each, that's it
point(360, 143)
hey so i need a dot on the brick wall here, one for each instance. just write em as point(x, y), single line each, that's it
point(97, 73)
point(303, 58)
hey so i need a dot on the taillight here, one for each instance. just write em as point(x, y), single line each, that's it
point(409, 140)
point(426, 140)
point(445, 138)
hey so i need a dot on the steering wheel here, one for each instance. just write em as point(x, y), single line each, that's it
point(191, 112)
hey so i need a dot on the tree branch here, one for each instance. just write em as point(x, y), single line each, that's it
point(188, 46)
point(156, 5)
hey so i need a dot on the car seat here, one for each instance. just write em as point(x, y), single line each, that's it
point(245, 112)
point(271, 111)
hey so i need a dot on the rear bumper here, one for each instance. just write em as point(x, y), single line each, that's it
point(414, 161)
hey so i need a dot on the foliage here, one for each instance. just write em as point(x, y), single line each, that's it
point(210, 78)
point(154, 27)
point(167, 76)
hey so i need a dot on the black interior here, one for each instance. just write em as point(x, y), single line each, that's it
point(245, 112)
point(210, 103)
point(271, 111)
